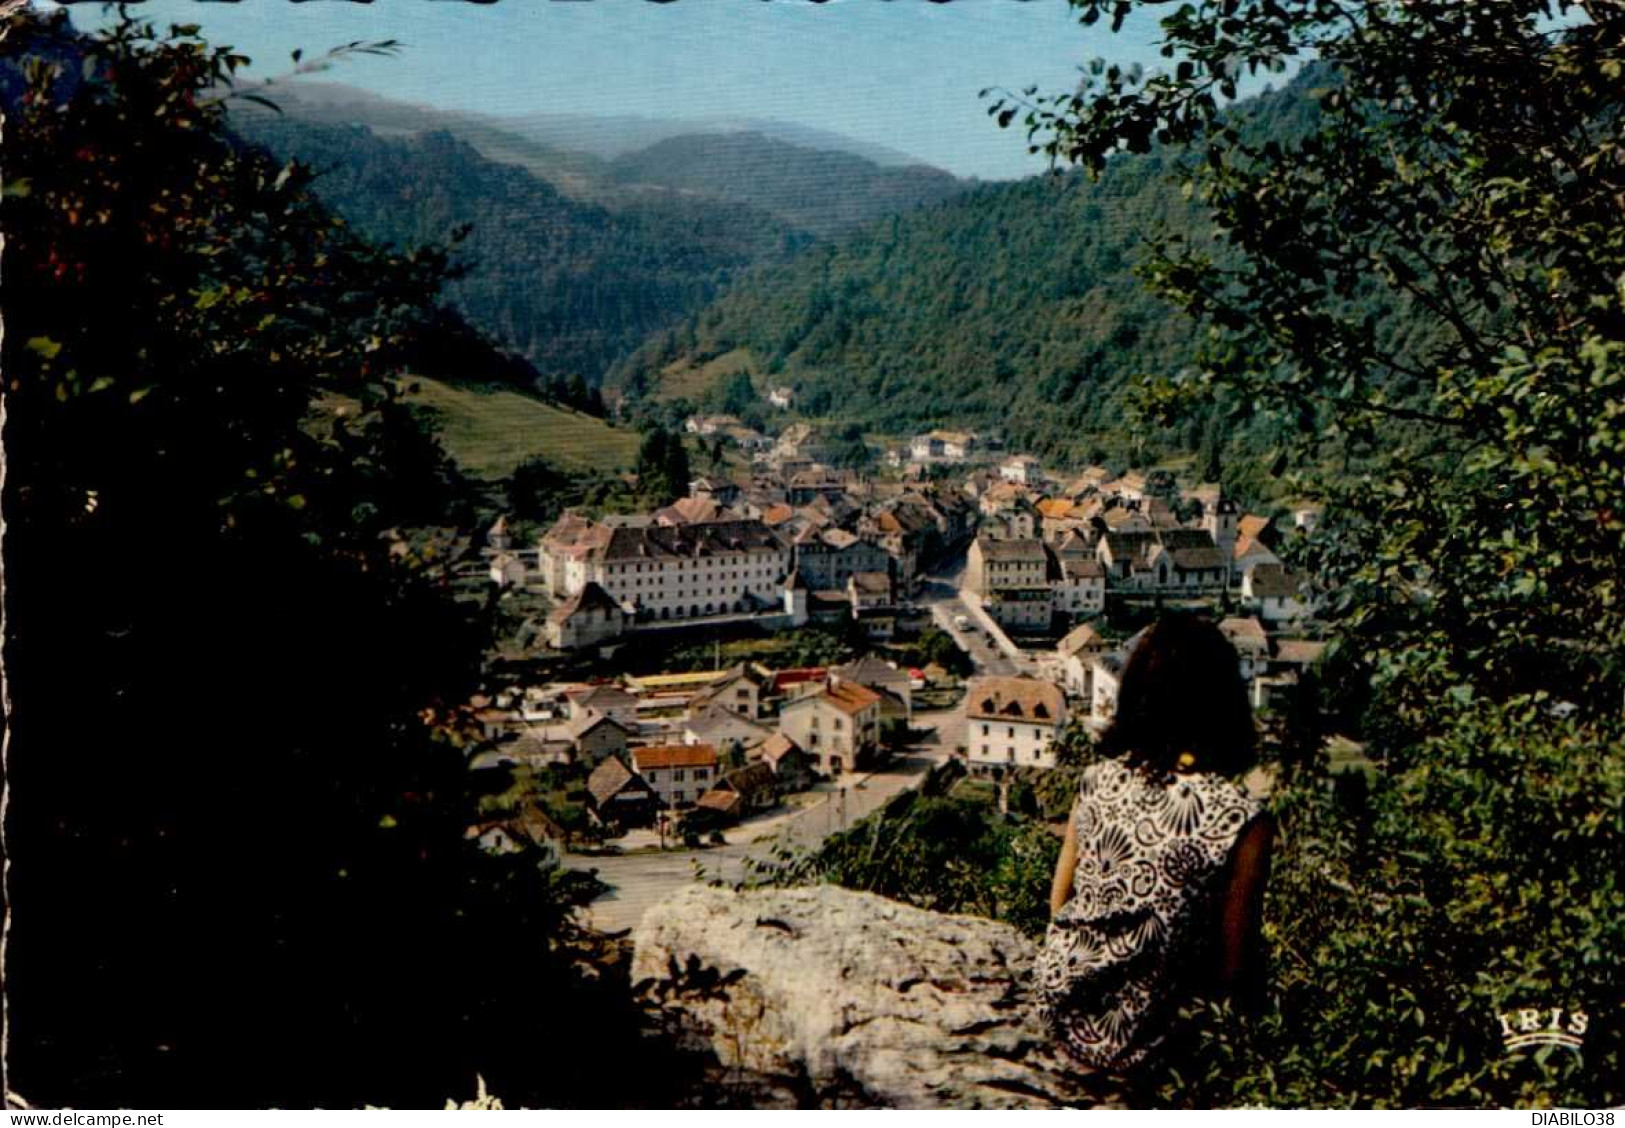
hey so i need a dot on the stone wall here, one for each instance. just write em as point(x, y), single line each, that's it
point(824, 997)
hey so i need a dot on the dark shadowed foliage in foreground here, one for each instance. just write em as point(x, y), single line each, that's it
point(238, 871)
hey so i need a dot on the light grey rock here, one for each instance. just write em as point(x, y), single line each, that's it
point(823, 996)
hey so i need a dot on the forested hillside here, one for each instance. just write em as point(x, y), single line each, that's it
point(572, 286)
point(1014, 307)
point(820, 191)
point(573, 261)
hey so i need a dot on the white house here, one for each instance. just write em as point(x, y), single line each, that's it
point(894, 685)
point(925, 448)
point(1105, 675)
point(1079, 587)
point(507, 570)
point(587, 618)
point(1076, 653)
point(570, 536)
point(994, 566)
point(709, 424)
point(1275, 592)
point(678, 774)
point(1248, 553)
point(1011, 723)
point(720, 728)
point(1251, 643)
point(942, 446)
point(1022, 469)
point(838, 725)
point(610, 700)
point(739, 690)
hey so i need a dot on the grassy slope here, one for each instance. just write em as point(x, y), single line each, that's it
point(691, 380)
point(489, 433)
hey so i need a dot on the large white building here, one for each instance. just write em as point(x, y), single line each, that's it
point(1012, 723)
point(677, 572)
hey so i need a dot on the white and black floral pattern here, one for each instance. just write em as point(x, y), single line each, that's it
point(1151, 854)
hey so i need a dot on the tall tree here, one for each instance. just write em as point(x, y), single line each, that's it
point(264, 806)
point(1463, 169)
point(662, 466)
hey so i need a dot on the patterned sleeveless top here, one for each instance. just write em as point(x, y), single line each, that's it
point(1151, 856)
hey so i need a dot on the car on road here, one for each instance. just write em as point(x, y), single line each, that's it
point(962, 622)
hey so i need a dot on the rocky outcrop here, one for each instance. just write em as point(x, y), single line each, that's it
point(821, 996)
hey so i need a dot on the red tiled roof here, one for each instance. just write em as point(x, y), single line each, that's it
point(1251, 525)
point(674, 756)
point(848, 697)
point(783, 679)
point(727, 802)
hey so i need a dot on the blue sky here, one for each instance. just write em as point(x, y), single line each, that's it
point(901, 73)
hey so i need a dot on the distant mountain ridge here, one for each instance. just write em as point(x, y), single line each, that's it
point(603, 137)
point(571, 285)
point(822, 191)
point(613, 136)
point(573, 259)
point(1013, 307)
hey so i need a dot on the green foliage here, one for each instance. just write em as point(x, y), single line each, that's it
point(269, 800)
point(1010, 307)
point(1481, 203)
point(1423, 284)
point(848, 449)
point(1013, 308)
point(662, 467)
point(1481, 875)
point(538, 491)
point(737, 395)
point(571, 286)
point(818, 191)
point(812, 645)
point(946, 853)
point(938, 647)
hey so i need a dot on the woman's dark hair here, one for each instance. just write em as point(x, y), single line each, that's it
point(1181, 691)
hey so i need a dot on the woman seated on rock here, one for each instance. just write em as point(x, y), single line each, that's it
point(1157, 892)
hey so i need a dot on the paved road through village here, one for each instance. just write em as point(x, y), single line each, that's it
point(638, 880)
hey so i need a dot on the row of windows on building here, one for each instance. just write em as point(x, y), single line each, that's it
point(681, 565)
point(725, 589)
point(1009, 754)
point(677, 775)
point(1010, 732)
